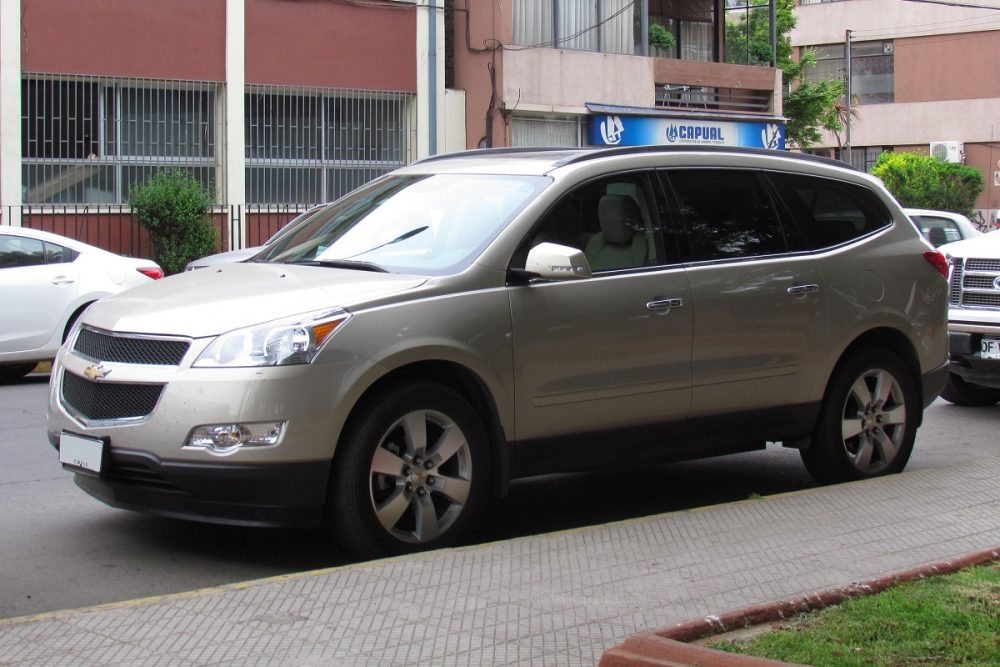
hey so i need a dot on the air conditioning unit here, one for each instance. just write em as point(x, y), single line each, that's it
point(949, 151)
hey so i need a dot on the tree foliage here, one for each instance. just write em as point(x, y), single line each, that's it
point(918, 181)
point(174, 207)
point(810, 106)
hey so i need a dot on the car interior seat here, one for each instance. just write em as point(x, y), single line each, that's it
point(618, 245)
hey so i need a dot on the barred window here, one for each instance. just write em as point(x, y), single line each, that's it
point(306, 147)
point(90, 140)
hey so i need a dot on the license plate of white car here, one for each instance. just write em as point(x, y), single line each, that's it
point(82, 454)
point(990, 348)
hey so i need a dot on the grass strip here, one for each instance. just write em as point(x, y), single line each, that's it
point(947, 620)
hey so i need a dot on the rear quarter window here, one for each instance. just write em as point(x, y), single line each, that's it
point(828, 212)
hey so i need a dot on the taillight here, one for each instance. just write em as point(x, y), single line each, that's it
point(938, 261)
point(153, 272)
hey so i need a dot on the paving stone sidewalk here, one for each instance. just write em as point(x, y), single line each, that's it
point(558, 599)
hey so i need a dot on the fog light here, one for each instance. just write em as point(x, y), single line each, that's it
point(227, 438)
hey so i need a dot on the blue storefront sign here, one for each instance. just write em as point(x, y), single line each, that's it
point(624, 130)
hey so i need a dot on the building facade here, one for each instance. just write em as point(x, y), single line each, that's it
point(582, 72)
point(924, 80)
point(273, 105)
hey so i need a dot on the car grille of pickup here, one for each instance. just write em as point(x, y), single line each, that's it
point(108, 401)
point(101, 346)
point(974, 283)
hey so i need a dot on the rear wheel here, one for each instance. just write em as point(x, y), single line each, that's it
point(411, 474)
point(868, 420)
point(12, 372)
point(960, 392)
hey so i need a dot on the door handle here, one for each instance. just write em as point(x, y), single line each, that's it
point(62, 280)
point(796, 290)
point(664, 305)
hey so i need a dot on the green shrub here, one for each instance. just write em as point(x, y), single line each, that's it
point(174, 208)
point(917, 181)
point(660, 37)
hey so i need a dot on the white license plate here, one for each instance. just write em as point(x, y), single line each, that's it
point(79, 453)
point(990, 348)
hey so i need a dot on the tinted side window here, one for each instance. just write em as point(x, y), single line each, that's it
point(830, 212)
point(611, 220)
point(725, 213)
point(57, 254)
point(16, 251)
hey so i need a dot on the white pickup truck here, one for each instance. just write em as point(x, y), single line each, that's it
point(974, 320)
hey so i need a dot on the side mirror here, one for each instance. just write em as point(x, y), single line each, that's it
point(552, 261)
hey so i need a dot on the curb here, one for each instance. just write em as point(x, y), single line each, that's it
point(670, 647)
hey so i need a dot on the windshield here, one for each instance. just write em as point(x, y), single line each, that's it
point(424, 224)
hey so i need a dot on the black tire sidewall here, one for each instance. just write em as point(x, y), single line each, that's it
point(963, 393)
point(827, 459)
point(350, 515)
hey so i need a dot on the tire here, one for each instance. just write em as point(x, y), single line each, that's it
point(412, 473)
point(960, 392)
point(867, 422)
point(14, 372)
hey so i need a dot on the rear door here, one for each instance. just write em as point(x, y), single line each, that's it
point(758, 299)
point(37, 287)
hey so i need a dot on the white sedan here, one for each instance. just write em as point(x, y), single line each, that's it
point(46, 281)
point(940, 227)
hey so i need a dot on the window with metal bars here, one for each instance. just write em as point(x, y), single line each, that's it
point(87, 140)
point(310, 146)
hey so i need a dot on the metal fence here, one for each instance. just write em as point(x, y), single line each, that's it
point(305, 146)
point(89, 140)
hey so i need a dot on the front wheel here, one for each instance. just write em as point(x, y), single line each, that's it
point(867, 422)
point(960, 392)
point(411, 473)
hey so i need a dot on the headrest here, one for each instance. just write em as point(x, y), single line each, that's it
point(620, 217)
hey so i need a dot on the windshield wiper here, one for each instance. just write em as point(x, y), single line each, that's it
point(402, 237)
point(342, 264)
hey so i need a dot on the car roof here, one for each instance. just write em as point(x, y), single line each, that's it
point(41, 235)
point(928, 211)
point(541, 161)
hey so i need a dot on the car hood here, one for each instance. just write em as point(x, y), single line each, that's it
point(223, 258)
point(986, 245)
point(212, 301)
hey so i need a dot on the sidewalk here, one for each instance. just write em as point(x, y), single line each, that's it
point(558, 599)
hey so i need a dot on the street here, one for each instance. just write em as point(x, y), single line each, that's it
point(63, 549)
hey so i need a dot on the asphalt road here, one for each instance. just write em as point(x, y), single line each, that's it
point(61, 549)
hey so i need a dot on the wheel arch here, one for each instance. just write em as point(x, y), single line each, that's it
point(892, 341)
point(461, 379)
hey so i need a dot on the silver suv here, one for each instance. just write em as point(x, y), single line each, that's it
point(385, 370)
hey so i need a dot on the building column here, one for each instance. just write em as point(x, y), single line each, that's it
point(430, 77)
point(10, 111)
point(235, 154)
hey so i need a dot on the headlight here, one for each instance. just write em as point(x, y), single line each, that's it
point(293, 340)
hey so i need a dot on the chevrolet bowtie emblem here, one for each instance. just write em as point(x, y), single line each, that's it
point(98, 372)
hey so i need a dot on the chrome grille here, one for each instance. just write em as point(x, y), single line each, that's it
point(979, 264)
point(955, 291)
point(977, 300)
point(978, 282)
point(100, 346)
point(107, 401)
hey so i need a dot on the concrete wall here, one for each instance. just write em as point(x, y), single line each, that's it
point(330, 44)
point(947, 67)
point(179, 39)
point(825, 23)
point(554, 80)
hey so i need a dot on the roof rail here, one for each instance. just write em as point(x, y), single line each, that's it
point(498, 151)
point(638, 150)
point(585, 153)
